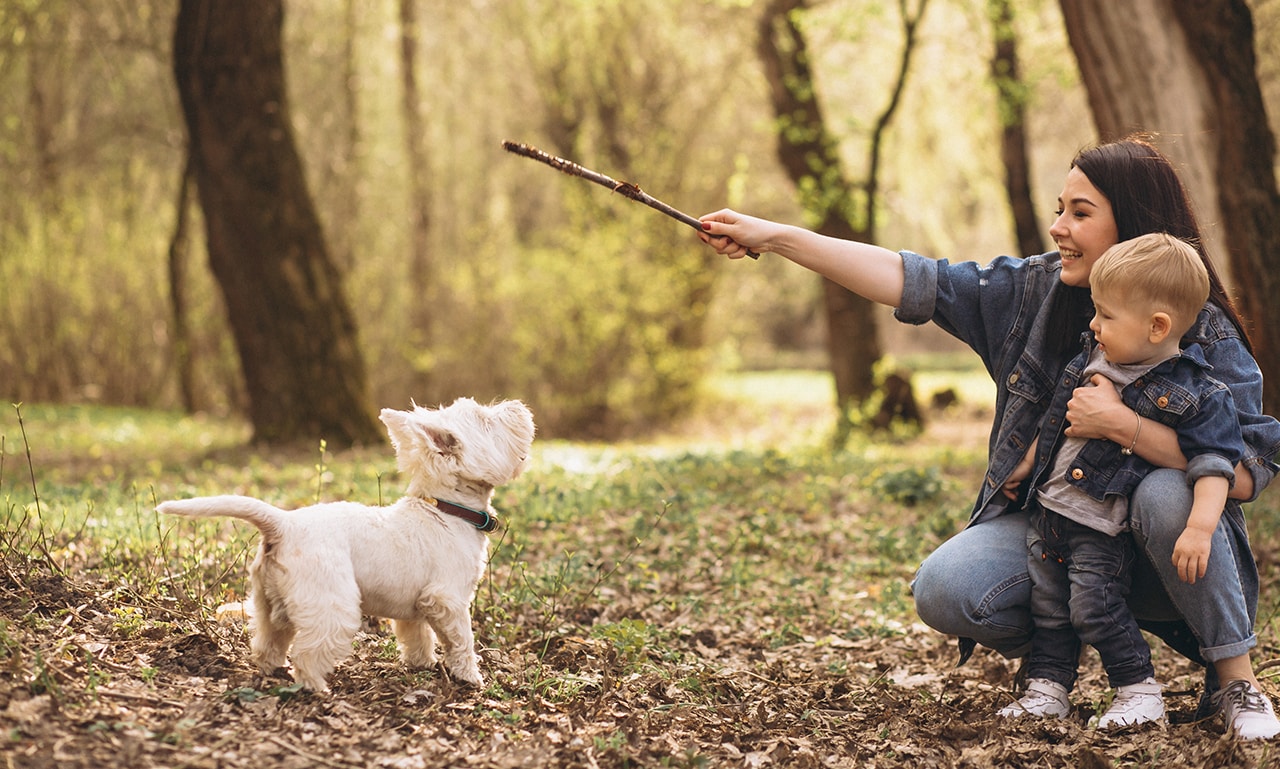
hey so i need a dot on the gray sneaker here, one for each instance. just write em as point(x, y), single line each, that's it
point(1247, 710)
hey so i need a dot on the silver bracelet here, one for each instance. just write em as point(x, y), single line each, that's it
point(1134, 444)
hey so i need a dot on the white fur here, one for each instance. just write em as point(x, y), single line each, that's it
point(320, 568)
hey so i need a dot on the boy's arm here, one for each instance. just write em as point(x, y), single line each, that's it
point(1191, 551)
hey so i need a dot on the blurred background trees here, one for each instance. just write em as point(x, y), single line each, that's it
point(469, 271)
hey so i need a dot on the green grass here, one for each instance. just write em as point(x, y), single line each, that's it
point(692, 575)
point(671, 504)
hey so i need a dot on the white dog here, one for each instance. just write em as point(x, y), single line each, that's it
point(418, 561)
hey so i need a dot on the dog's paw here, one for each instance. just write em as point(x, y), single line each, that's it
point(467, 671)
point(418, 658)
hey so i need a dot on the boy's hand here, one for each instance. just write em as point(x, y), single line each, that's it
point(1191, 554)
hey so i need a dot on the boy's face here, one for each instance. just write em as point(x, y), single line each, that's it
point(1126, 335)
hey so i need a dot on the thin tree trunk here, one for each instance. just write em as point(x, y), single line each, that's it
point(181, 332)
point(810, 155)
point(1011, 102)
point(304, 373)
point(349, 154)
point(421, 270)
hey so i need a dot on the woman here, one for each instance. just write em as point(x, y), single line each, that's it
point(1024, 317)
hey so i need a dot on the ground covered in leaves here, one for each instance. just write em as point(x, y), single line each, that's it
point(667, 607)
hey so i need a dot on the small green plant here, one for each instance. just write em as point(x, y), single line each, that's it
point(909, 486)
point(631, 638)
point(320, 469)
point(247, 694)
point(129, 620)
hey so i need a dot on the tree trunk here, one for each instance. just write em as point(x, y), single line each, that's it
point(1220, 37)
point(1186, 69)
point(349, 167)
point(178, 292)
point(811, 156)
point(421, 271)
point(1012, 104)
point(1140, 76)
point(304, 373)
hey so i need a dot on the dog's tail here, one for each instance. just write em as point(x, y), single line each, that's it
point(266, 517)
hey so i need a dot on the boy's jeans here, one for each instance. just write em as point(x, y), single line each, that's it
point(1080, 579)
point(975, 585)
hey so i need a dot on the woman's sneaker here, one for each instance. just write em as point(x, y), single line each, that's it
point(1134, 704)
point(1044, 699)
point(1247, 710)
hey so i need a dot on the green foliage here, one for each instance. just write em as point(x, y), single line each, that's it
point(909, 486)
point(591, 335)
point(607, 319)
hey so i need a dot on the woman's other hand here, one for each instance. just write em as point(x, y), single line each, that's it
point(1096, 411)
point(1020, 473)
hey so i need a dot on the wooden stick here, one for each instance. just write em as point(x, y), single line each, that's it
point(625, 188)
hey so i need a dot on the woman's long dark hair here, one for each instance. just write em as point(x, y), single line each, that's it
point(1146, 196)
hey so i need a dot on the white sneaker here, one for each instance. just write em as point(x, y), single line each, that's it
point(1248, 711)
point(1139, 703)
point(1044, 699)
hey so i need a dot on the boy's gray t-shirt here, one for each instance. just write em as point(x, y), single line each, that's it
point(1111, 515)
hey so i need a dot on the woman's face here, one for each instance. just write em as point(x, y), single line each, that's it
point(1085, 227)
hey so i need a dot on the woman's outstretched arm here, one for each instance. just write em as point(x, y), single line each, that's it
point(869, 271)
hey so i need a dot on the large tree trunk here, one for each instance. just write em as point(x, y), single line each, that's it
point(1140, 75)
point(303, 370)
point(1220, 35)
point(1186, 70)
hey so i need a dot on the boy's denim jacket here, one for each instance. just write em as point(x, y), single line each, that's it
point(1178, 392)
point(996, 310)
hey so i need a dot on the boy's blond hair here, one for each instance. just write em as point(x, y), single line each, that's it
point(1158, 270)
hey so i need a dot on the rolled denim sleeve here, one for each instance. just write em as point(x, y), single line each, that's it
point(1210, 465)
point(919, 289)
point(1237, 369)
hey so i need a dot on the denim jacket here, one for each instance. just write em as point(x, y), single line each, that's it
point(996, 310)
point(1178, 392)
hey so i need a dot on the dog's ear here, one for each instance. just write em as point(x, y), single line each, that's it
point(405, 431)
point(397, 424)
point(443, 441)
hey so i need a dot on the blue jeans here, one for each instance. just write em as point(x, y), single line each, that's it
point(975, 585)
point(1080, 581)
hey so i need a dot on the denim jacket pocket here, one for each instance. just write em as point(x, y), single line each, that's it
point(1160, 400)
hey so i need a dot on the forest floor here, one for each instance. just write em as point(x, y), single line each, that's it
point(679, 603)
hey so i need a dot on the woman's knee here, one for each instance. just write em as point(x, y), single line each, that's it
point(975, 584)
point(1160, 505)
